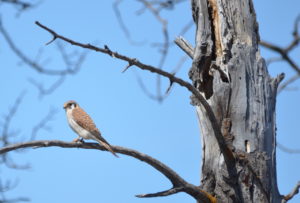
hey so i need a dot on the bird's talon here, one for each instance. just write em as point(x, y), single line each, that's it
point(75, 140)
point(78, 140)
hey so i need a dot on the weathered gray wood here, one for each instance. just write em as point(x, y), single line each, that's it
point(244, 102)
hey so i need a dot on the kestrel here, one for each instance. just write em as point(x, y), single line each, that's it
point(82, 124)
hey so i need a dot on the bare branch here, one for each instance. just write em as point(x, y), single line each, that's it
point(29, 61)
point(9, 163)
point(175, 179)
point(288, 82)
point(284, 85)
point(154, 11)
point(43, 123)
point(180, 63)
point(160, 5)
point(19, 199)
point(163, 193)
point(46, 91)
point(7, 133)
point(272, 60)
point(228, 156)
point(145, 89)
point(23, 5)
point(176, 69)
point(291, 194)
point(116, 5)
point(72, 65)
point(7, 119)
point(169, 173)
point(186, 28)
point(120, 19)
point(296, 36)
point(271, 46)
point(165, 46)
point(283, 54)
point(287, 150)
point(4, 187)
point(185, 46)
point(8, 185)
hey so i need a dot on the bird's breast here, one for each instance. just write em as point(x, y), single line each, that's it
point(77, 128)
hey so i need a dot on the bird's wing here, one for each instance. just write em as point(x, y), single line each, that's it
point(85, 121)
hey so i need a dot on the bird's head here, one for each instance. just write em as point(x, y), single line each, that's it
point(70, 105)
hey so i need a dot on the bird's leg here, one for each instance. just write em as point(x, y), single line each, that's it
point(81, 140)
point(78, 139)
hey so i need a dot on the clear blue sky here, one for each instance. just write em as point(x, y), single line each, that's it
point(167, 131)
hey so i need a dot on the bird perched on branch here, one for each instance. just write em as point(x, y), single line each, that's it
point(83, 125)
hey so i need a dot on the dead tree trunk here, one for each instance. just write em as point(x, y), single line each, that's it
point(230, 72)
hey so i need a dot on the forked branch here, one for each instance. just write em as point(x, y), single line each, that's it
point(179, 184)
point(284, 53)
point(291, 194)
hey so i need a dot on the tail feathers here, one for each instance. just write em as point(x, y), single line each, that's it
point(108, 147)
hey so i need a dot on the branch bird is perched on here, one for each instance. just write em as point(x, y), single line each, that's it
point(83, 125)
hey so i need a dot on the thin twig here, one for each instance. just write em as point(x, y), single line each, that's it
point(48, 90)
point(144, 88)
point(291, 194)
point(27, 60)
point(165, 44)
point(15, 200)
point(10, 115)
point(72, 65)
point(186, 28)
point(9, 185)
point(295, 34)
point(126, 68)
point(286, 83)
point(287, 150)
point(163, 193)
point(43, 123)
point(7, 133)
point(119, 17)
point(23, 5)
point(284, 53)
point(272, 60)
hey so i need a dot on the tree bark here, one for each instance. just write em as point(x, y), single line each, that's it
point(230, 72)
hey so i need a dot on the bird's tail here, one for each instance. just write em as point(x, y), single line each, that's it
point(107, 146)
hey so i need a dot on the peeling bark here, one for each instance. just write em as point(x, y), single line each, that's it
point(203, 52)
point(244, 102)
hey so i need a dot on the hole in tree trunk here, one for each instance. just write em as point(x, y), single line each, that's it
point(247, 146)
